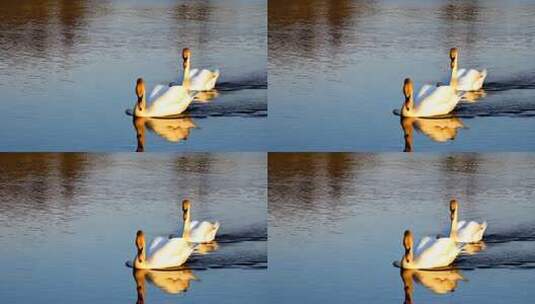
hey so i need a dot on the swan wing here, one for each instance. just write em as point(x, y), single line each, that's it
point(425, 90)
point(471, 232)
point(472, 80)
point(173, 101)
point(204, 232)
point(203, 80)
point(439, 253)
point(173, 253)
point(156, 244)
point(157, 91)
point(442, 100)
point(460, 72)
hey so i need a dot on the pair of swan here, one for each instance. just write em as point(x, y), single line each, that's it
point(165, 253)
point(441, 251)
point(442, 99)
point(173, 100)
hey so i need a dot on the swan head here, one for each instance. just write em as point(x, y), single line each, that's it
point(407, 244)
point(185, 208)
point(453, 208)
point(140, 93)
point(140, 245)
point(453, 57)
point(408, 93)
point(186, 54)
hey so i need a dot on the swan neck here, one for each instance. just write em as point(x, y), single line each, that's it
point(453, 230)
point(453, 79)
point(187, 225)
point(186, 79)
point(139, 262)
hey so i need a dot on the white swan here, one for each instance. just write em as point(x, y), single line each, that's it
point(430, 253)
point(166, 101)
point(163, 252)
point(199, 80)
point(433, 101)
point(465, 232)
point(197, 232)
point(467, 80)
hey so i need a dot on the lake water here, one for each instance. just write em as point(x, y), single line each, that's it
point(336, 224)
point(336, 70)
point(68, 72)
point(68, 224)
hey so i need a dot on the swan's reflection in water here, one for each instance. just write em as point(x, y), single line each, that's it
point(439, 282)
point(169, 281)
point(171, 129)
point(205, 96)
point(206, 248)
point(437, 129)
point(473, 96)
point(473, 248)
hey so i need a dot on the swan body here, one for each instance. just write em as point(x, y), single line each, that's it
point(165, 101)
point(197, 79)
point(195, 231)
point(433, 101)
point(203, 80)
point(467, 80)
point(464, 231)
point(163, 253)
point(430, 253)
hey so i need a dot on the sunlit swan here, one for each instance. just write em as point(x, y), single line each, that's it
point(433, 101)
point(164, 253)
point(430, 253)
point(165, 101)
point(464, 232)
point(467, 80)
point(197, 232)
point(437, 129)
point(199, 80)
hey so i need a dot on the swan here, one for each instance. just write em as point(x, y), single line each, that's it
point(434, 101)
point(199, 80)
point(464, 232)
point(166, 101)
point(197, 232)
point(164, 253)
point(430, 253)
point(467, 80)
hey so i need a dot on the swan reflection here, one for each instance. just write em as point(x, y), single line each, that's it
point(439, 281)
point(473, 96)
point(206, 248)
point(473, 248)
point(173, 130)
point(437, 129)
point(171, 282)
point(205, 96)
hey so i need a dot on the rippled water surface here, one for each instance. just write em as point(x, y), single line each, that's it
point(337, 68)
point(336, 223)
point(68, 71)
point(68, 224)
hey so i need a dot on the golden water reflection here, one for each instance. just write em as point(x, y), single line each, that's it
point(173, 130)
point(171, 282)
point(439, 282)
point(437, 129)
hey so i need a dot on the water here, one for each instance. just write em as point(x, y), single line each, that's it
point(336, 70)
point(336, 223)
point(68, 224)
point(68, 72)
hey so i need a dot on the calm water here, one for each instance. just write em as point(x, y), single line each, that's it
point(68, 224)
point(336, 70)
point(336, 222)
point(68, 72)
